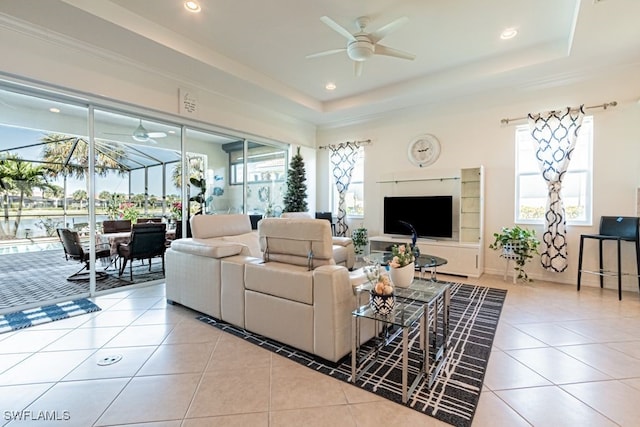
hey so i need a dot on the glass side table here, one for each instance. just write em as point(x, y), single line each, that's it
point(424, 301)
point(423, 262)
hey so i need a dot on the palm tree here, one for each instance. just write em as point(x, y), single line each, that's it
point(79, 196)
point(55, 192)
point(196, 170)
point(68, 156)
point(21, 177)
point(153, 200)
point(104, 197)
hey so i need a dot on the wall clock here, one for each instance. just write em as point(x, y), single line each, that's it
point(424, 150)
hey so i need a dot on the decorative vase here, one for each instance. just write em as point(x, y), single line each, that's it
point(402, 277)
point(381, 304)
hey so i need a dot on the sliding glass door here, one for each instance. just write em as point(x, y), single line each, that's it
point(47, 182)
point(43, 188)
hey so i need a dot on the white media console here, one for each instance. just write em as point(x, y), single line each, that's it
point(463, 259)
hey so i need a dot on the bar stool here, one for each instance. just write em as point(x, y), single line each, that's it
point(618, 229)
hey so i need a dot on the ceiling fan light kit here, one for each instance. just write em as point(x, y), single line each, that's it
point(360, 50)
point(140, 134)
point(362, 45)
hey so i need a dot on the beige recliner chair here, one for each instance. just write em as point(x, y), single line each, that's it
point(343, 250)
point(299, 296)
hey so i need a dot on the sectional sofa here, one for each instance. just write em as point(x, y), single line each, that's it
point(289, 280)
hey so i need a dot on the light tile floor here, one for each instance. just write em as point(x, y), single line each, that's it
point(560, 357)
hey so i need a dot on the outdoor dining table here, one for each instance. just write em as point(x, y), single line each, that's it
point(114, 239)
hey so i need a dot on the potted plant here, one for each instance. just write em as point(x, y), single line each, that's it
point(360, 239)
point(402, 266)
point(129, 211)
point(381, 297)
point(517, 244)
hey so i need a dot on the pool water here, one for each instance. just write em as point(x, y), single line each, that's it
point(16, 247)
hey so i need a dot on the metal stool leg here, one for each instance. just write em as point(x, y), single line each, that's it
point(601, 264)
point(638, 260)
point(619, 273)
point(580, 261)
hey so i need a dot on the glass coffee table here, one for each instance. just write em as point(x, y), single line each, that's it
point(423, 262)
point(425, 301)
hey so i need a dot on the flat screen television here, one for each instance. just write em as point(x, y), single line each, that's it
point(431, 216)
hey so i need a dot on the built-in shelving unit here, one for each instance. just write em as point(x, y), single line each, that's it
point(471, 212)
point(465, 255)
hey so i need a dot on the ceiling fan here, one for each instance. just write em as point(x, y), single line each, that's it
point(362, 45)
point(141, 134)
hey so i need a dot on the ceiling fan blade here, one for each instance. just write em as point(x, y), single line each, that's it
point(383, 32)
point(117, 134)
point(156, 135)
point(326, 52)
point(337, 28)
point(389, 51)
point(357, 68)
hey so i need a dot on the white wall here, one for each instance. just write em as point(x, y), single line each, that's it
point(471, 134)
point(50, 61)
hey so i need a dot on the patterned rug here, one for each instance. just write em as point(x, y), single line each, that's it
point(33, 278)
point(37, 316)
point(474, 315)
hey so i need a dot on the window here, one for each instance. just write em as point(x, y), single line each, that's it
point(264, 164)
point(354, 197)
point(531, 189)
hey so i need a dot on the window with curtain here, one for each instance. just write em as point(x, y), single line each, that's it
point(531, 189)
point(355, 194)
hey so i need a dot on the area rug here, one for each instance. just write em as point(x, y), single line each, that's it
point(33, 278)
point(474, 315)
point(39, 315)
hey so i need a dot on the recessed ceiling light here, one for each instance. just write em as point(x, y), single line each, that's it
point(54, 110)
point(192, 6)
point(330, 86)
point(172, 132)
point(509, 33)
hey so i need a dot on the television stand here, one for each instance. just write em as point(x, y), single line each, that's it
point(463, 258)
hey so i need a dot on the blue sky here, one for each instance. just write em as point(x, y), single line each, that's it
point(11, 138)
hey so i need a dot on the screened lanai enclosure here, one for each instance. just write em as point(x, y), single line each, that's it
point(69, 164)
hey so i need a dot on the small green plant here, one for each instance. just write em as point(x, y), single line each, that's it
point(360, 239)
point(113, 206)
point(129, 211)
point(518, 244)
point(48, 225)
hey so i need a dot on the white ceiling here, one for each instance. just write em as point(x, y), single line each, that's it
point(254, 50)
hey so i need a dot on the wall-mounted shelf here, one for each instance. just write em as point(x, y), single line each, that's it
point(397, 181)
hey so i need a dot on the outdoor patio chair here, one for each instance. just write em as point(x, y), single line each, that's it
point(116, 226)
point(73, 249)
point(146, 220)
point(147, 242)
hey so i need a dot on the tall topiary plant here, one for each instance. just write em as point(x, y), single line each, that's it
point(296, 198)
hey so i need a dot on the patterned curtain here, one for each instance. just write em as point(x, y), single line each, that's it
point(555, 134)
point(343, 159)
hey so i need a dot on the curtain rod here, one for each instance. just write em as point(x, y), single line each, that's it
point(603, 106)
point(363, 142)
